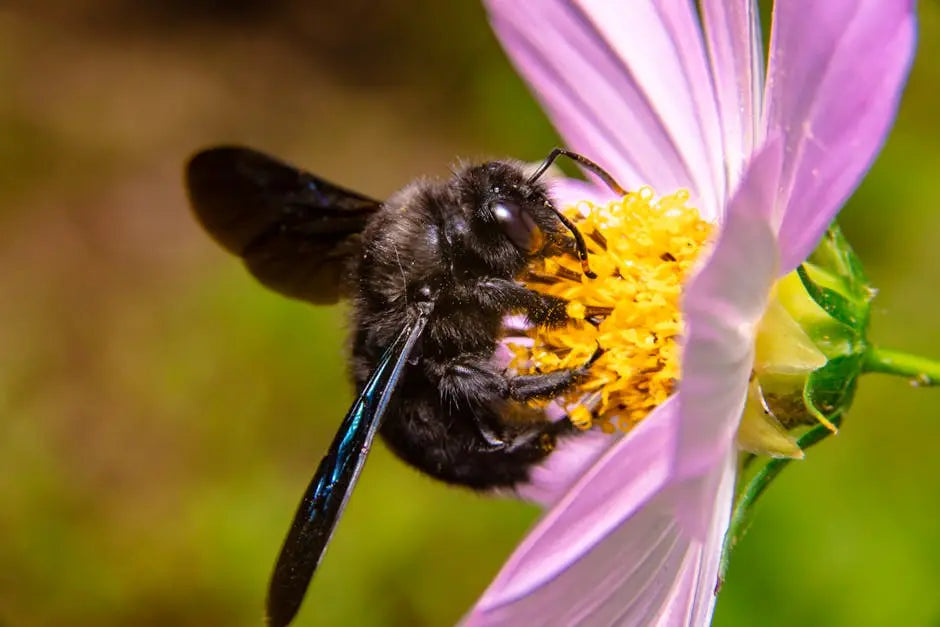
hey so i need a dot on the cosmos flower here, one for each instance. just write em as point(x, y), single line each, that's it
point(673, 96)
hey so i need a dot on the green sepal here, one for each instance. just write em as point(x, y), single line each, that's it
point(829, 390)
point(835, 253)
point(833, 278)
point(832, 302)
point(834, 265)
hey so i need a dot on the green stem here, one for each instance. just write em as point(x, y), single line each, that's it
point(741, 515)
point(920, 370)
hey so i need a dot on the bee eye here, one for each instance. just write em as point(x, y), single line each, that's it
point(518, 225)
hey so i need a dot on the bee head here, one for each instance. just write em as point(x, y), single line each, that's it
point(506, 209)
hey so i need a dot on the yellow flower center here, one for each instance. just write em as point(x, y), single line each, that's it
point(642, 250)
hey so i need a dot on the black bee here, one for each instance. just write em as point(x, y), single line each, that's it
point(431, 274)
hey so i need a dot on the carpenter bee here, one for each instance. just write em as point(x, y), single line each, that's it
point(431, 274)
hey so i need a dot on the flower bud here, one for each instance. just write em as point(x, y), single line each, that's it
point(810, 349)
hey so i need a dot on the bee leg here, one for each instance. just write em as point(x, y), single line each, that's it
point(540, 309)
point(543, 386)
point(475, 379)
point(543, 436)
point(472, 380)
point(545, 310)
point(469, 378)
point(494, 441)
point(549, 384)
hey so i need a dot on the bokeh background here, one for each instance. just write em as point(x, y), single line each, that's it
point(161, 413)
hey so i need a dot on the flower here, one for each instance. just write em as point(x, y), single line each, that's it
point(663, 94)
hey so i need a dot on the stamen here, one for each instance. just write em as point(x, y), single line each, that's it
point(564, 273)
point(532, 277)
point(599, 238)
point(642, 250)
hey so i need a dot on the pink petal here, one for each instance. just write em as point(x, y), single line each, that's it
point(566, 192)
point(551, 479)
point(650, 118)
point(722, 306)
point(693, 599)
point(732, 32)
point(835, 77)
point(628, 562)
point(617, 486)
point(662, 44)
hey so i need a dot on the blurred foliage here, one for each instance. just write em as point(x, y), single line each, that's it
point(161, 413)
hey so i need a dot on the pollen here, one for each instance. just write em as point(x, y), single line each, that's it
point(642, 250)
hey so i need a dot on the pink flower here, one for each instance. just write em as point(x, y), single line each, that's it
point(661, 98)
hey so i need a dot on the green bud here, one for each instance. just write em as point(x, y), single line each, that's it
point(810, 348)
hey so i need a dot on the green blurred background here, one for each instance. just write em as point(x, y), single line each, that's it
point(161, 413)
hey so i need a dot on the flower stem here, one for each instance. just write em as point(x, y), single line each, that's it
point(920, 370)
point(741, 514)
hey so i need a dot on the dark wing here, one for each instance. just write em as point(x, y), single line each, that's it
point(295, 231)
point(326, 496)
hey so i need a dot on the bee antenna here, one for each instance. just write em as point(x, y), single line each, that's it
point(602, 174)
point(580, 246)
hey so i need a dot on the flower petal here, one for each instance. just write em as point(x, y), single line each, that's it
point(662, 44)
point(693, 599)
point(649, 118)
point(722, 306)
point(618, 486)
point(834, 82)
point(733, 36)
point(566, 192)
point(552, 478)
point(643, 571)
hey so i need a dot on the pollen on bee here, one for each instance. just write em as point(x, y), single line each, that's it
point(642, 250)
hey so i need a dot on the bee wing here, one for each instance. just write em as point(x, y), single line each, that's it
point(328, 492)
point(294, 230)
